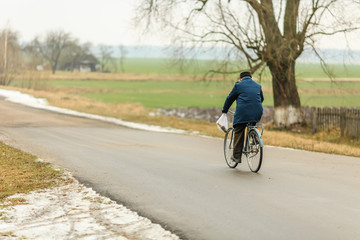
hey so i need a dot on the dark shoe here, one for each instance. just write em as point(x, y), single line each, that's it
point(237, 160)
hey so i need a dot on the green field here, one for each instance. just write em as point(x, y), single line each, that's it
point(200, 67)
point(169, 94)
point(166, 66)
point(321, 85)
point(324, 100)
point(311, 70)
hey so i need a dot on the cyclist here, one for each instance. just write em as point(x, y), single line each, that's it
point(249, 97)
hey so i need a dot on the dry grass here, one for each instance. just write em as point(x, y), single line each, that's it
point(309, 143)
point(21, 173)
point(61, 75)
point(33, 79)
point(82, 104)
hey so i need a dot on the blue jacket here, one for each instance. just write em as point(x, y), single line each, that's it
point(249, 98)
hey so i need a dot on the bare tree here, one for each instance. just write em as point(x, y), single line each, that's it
point(73, 54)
point(52, 46)
point(106, 58)
point(32, 58)
point(264, 33)
point(123, 53)
point(9, 56)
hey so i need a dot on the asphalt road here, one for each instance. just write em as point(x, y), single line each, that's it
point(182, 181)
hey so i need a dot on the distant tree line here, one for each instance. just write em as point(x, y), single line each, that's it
point(56, 50)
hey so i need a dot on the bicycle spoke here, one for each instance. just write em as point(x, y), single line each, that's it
point(255, 153)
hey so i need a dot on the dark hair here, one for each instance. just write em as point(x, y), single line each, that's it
point(244, 74)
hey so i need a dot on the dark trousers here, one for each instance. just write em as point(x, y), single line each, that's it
point(239, 130)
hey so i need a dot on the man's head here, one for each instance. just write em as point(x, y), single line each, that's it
point(245, 74)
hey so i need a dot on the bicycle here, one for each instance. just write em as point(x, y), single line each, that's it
point(252, 149)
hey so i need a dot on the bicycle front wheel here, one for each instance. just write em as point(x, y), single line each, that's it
point(255, 155)
point(229, 148)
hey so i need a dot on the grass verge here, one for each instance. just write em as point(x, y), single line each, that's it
point(20, 172)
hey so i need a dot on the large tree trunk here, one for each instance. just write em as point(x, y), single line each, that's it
point(287, 107)
point(55, 62)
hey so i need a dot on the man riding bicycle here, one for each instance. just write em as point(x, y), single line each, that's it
point(249, 97)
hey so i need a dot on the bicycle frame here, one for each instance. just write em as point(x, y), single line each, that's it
point(248, 128)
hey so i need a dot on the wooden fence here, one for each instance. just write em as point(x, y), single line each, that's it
point(347, 119)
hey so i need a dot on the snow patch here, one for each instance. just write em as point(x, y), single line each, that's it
point(73, 211)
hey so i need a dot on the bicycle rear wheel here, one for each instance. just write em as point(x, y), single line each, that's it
point(255, 155)
point(229, 148)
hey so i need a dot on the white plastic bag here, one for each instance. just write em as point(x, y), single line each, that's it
point(222, 123)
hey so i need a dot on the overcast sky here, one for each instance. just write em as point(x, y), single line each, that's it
point(98, 21)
